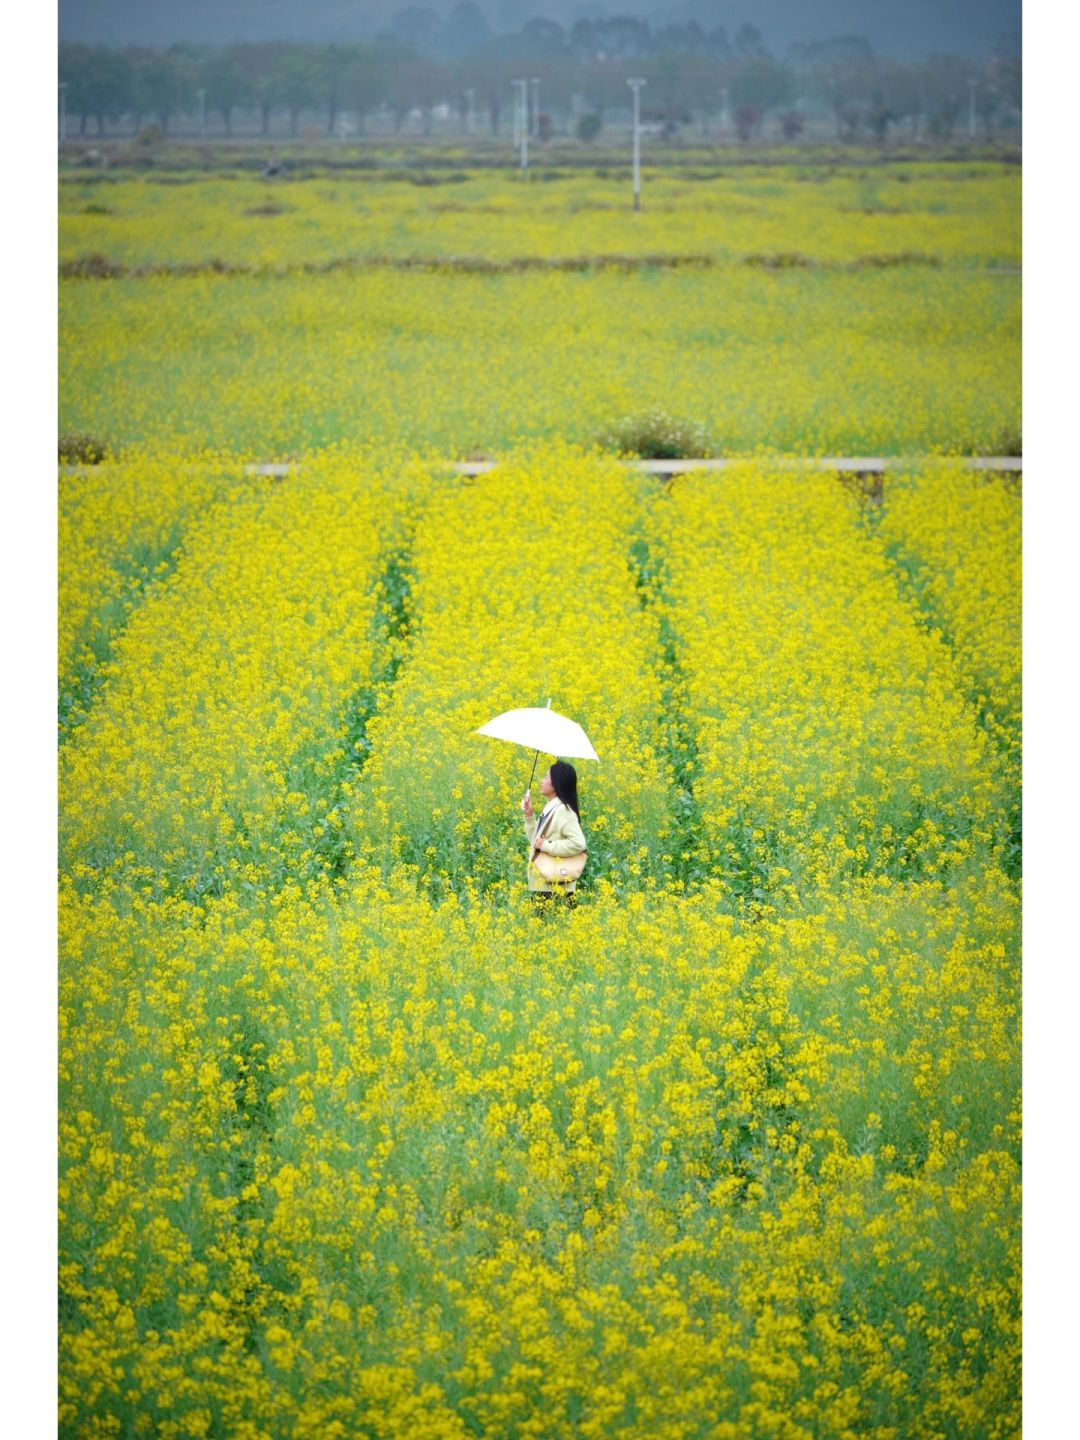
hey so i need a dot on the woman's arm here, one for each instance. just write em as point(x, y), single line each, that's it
point(570, 839)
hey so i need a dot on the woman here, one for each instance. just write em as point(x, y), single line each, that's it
point(557, 831)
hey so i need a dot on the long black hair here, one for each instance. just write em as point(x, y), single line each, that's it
point(564, 781)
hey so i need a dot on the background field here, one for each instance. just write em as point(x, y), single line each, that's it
point(796, 309)
point(828, 213)
point(352, 1142)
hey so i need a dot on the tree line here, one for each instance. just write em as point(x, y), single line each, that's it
point(691, 74)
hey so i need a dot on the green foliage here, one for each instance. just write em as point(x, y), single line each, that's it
point(657, 435)
point(76, 448)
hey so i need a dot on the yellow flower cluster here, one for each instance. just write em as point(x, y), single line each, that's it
point(822, 214)
point(882, 362)
point(351, 1141)
point(219, 741)
point(119, 532)
point(832, 729)
point(362, 1162)
point(795, 359)
point(957, 536)
point(522, 594)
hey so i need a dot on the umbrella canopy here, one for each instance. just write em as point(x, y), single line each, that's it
point(541, 730)
point(544, 730)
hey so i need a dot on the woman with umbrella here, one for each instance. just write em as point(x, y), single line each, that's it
point(557, 847)
point(557, 836)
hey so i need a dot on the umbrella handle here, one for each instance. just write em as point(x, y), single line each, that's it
point(536, 756)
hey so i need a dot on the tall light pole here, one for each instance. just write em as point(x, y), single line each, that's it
point(202, 113)
point(636, 85)
point(469, 96)
point(723, 111)
point(534, 128)
point(523, 125)
point(63, 111)
point(971, 108)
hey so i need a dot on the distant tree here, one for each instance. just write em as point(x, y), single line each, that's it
point(851, 47)
point(749, 43)
point(880, 118)
point(226, 85)
point(623, 37)
point(849, 119)
point(945, 88)
point(989, 105)
point(999, 91)
point(330, 62)
point(668, 88)
point(581, 42)
point(389, 49)
point(792, 124)
point(560, 80)
point(717, 44)
point(416, 85)
point(162, 82)
point(1006, 75)
point(346, 77)
point(99, 81)
point(678, 40)
point(747, 119)
point(698, 82)
point(806, 54)
point(420, 27)
point(605, 84)
point(762, 83)
point(943, 118)
point(849, 88)
point(466, 30)
point(256, 62)
point(294, 78)
point(363, 82)
point(897, 89)
point(489, 76)
point(546, 39)
point(588, 127)
point(187, 62)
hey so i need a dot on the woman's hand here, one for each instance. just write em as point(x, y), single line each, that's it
point(526, 805)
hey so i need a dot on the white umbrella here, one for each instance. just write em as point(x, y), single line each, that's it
point(538, 730)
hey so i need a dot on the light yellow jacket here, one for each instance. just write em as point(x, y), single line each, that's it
point(563, 835)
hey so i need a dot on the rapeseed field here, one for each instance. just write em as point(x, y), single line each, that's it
point(959, 214)
point(873, 312)
point(353, 1140)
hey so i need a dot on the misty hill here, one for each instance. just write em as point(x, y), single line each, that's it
point(910, 30)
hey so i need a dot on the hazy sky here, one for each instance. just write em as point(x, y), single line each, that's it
point(906, 29)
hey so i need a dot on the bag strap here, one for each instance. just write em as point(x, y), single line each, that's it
point(541, 831)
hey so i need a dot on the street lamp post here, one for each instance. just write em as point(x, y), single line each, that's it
point(534, 128)
point(63, 111)
point(723, 112)
point(971, 108)
point(469, 95)
point(523, 125)
point(636, 85)
point(202, 113)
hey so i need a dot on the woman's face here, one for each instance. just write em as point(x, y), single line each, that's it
point(546, 787)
